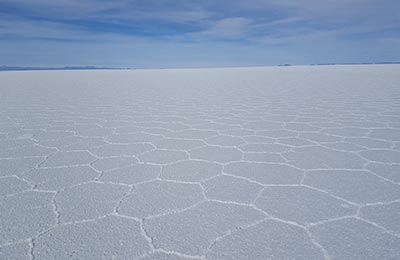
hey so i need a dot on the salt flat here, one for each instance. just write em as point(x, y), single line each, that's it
point(234, 163)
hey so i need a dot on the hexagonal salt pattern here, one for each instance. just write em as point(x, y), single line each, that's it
point(113, 238)
point(267, 240)
point(352, 238)
point(160, 197)
point(207, 164)
point(193, 230)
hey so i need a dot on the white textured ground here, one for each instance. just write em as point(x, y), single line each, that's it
point(254, 163)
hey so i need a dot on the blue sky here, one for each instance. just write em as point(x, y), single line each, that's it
point(197, 33)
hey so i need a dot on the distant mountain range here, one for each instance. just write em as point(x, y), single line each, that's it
point(365, 63)
point(349, 63)
point(17, 68)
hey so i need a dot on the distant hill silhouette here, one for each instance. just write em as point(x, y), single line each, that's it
point(17, 68)
point(357, 63)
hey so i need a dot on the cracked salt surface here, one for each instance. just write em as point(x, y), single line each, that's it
point(247, 163)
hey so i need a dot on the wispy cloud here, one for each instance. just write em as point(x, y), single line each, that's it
point(232, 28)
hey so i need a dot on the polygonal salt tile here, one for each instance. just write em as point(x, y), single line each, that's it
point(363, 124)
point(389, 119)
point(350, 239)
point(346, 131)
point(163, 156)
point(17, 133)
point(344, 146)
point(355, 186)
point(263, 125)
point(383, 156)
point(132, 174)
point(191, 171)
point(11, 185)
point(216, 154)
point(14, 143)
point(106, 164)
point(157, 131)
point(194, 118)
point(108, 238)
point(320, 137)
point(385, 215)
point(281, 133)
point(171, 126)
point(60, 178)
point(51, 135)
point(25, 151)
point(227, 188)
point(25, 215)
point(194, 230)
point(301, 127)
point(18, 166)
point(88, 123)
point(160, 197)
point(225, 140)
point(193, 134)
point(118, 121)
point(95, 132)
point(369, 142)
point(128, 129)
point(267, 148)
point(88, 201)
point(391, 172)
point(121, 149)
point(132, 138)
point(81, 126)
point(391, 134)
point(267, 240)
point(177, 144)
point(214, 126)
point(317, 157)
point(317, 121)
point(258, 139)
point(279, 118)
point(297, 142)
point(263, 157)
point(61, 143)
point(69, 159)
point(20, 251)
point(28, 199)
point(265, 173)
point(85, 144)
point(229, 120)
point(169, 256)
point(238, 132)
point(302, 205)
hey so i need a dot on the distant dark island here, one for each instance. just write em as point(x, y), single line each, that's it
point(17, 68)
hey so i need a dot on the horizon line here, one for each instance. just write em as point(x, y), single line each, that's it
point(89, 67)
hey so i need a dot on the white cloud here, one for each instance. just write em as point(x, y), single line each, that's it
point(234, 27)
point(112, 11)
point(14, 28)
